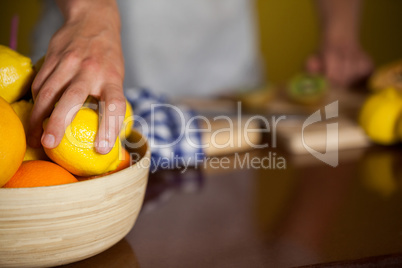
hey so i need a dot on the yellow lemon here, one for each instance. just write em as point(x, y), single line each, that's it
point(35, 154)
point(23, 110)
point(12, 142)
point(128, 122)
point(379, 116)
point(16, 74)
point(76, 151)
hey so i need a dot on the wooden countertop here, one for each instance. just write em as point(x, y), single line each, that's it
point(245, 217)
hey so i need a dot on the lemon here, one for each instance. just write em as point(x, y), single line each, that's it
point(23, 110)
point(76, 151)
point(128, 122)
point(16, 74)
point(379, 116)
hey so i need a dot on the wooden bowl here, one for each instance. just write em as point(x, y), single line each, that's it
point(55, 225)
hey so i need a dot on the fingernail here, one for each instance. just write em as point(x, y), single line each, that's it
point(103, 147)
point(48, 141)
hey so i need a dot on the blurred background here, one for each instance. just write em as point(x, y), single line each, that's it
point(289, 31)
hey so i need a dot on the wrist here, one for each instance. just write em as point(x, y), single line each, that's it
point(76, 10)
point(340, 20)
point(340, 36)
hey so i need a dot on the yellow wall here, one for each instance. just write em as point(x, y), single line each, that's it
point(289, 31)
point(28, 11)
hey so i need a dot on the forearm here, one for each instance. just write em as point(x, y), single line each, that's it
point(101, 10)
point(340, 56)
point(339, 20)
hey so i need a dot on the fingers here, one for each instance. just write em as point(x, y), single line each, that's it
point(47, 68)
point(343, 66)
point(43, 107)
point(364, 66)
point(334, 68)
point(112, 117)
point(46, 94)
point(81, 58)
point(314, 64)
point(71, 89)
point(63, 114)
point(54, 74)
point(349, 71)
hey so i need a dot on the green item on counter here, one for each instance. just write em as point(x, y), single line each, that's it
point(307, 88)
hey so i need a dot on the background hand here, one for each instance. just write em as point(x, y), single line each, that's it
point(342, 64)
point(340, 58)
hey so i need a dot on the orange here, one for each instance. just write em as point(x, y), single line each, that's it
point(12, 142)
point(125, 162)
point(37, 173)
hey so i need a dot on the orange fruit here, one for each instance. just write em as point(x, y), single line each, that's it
point(125, 162)
point(12, 142)
point(37, 173)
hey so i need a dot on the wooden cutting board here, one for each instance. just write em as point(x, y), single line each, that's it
point(290, 132)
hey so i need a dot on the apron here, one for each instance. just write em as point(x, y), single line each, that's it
point(179, 47)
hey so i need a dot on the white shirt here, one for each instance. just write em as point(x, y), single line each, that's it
point(179, 47)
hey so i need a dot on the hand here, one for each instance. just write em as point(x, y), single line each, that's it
point(340, 58)
point(84, 58)
point(343, 64)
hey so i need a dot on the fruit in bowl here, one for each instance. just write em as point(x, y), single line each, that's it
point(56, 225)
point(23, 110)
point(16, 74)
point(38, 173)
point(12, 142)
point(76, 151)
point(49, 215)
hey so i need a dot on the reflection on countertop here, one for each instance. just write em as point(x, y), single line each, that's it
point(304, 214)
point(120, 255)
